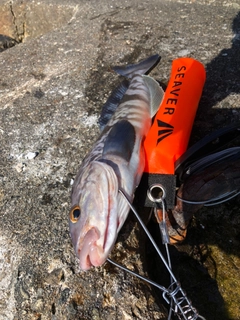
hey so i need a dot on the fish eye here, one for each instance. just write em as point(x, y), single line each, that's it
point(75, 214)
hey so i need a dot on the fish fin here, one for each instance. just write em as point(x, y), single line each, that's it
point(120, 140)
point(112, 103)
point(142, 67)
point(156, 94)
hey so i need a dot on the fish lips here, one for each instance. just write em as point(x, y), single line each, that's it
point(93, 248)
point(89, 253)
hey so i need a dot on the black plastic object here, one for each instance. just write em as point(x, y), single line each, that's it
point(201, 154)
point(160, 186)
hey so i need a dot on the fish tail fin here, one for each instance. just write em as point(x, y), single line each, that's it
point(156, 94)
point(141, 67)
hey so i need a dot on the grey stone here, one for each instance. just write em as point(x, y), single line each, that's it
point(52, 86)
point(6, 42)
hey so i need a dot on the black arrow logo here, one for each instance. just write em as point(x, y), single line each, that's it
point(166, 130)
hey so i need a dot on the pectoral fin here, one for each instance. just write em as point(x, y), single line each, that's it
point(156, 94)
point(120, 140)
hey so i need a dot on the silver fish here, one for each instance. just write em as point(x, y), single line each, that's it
point(115, 162)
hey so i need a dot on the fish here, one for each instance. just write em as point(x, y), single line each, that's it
point(115, 162)
point(112, 103)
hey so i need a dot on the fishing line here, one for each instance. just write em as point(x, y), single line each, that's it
point(179, 302)
point(162, 288)
point(148, 234)
point(211, 202)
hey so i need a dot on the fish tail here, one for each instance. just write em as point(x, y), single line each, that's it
point(142, 67)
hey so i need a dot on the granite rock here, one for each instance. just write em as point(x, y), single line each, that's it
point(53, 84)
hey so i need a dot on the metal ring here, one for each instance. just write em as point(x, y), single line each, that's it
point(150, 195)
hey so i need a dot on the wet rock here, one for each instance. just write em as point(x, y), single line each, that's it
point(52, 87)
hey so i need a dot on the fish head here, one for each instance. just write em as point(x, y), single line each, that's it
point(93, 218)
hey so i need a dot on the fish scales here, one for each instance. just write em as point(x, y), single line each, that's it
point(116, 161)
point(112, 103)
point(129, 109)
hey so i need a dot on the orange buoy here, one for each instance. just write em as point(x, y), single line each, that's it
point(169, 135)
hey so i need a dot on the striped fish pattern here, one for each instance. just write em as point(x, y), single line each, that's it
point(115, 162)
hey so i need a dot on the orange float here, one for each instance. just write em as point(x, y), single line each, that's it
point(169, 135)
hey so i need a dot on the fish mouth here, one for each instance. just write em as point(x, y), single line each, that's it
point(89, 253)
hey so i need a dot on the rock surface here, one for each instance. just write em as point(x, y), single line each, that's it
point(52, 87)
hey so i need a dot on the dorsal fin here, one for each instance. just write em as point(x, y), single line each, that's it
point(156, 94)
point(142, 67)
point(120, 141)
point(117, 94)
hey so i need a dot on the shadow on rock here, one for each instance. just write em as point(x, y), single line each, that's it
point(223, 72)
point(208, 256)
point(223, 80)
point(200, 287)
